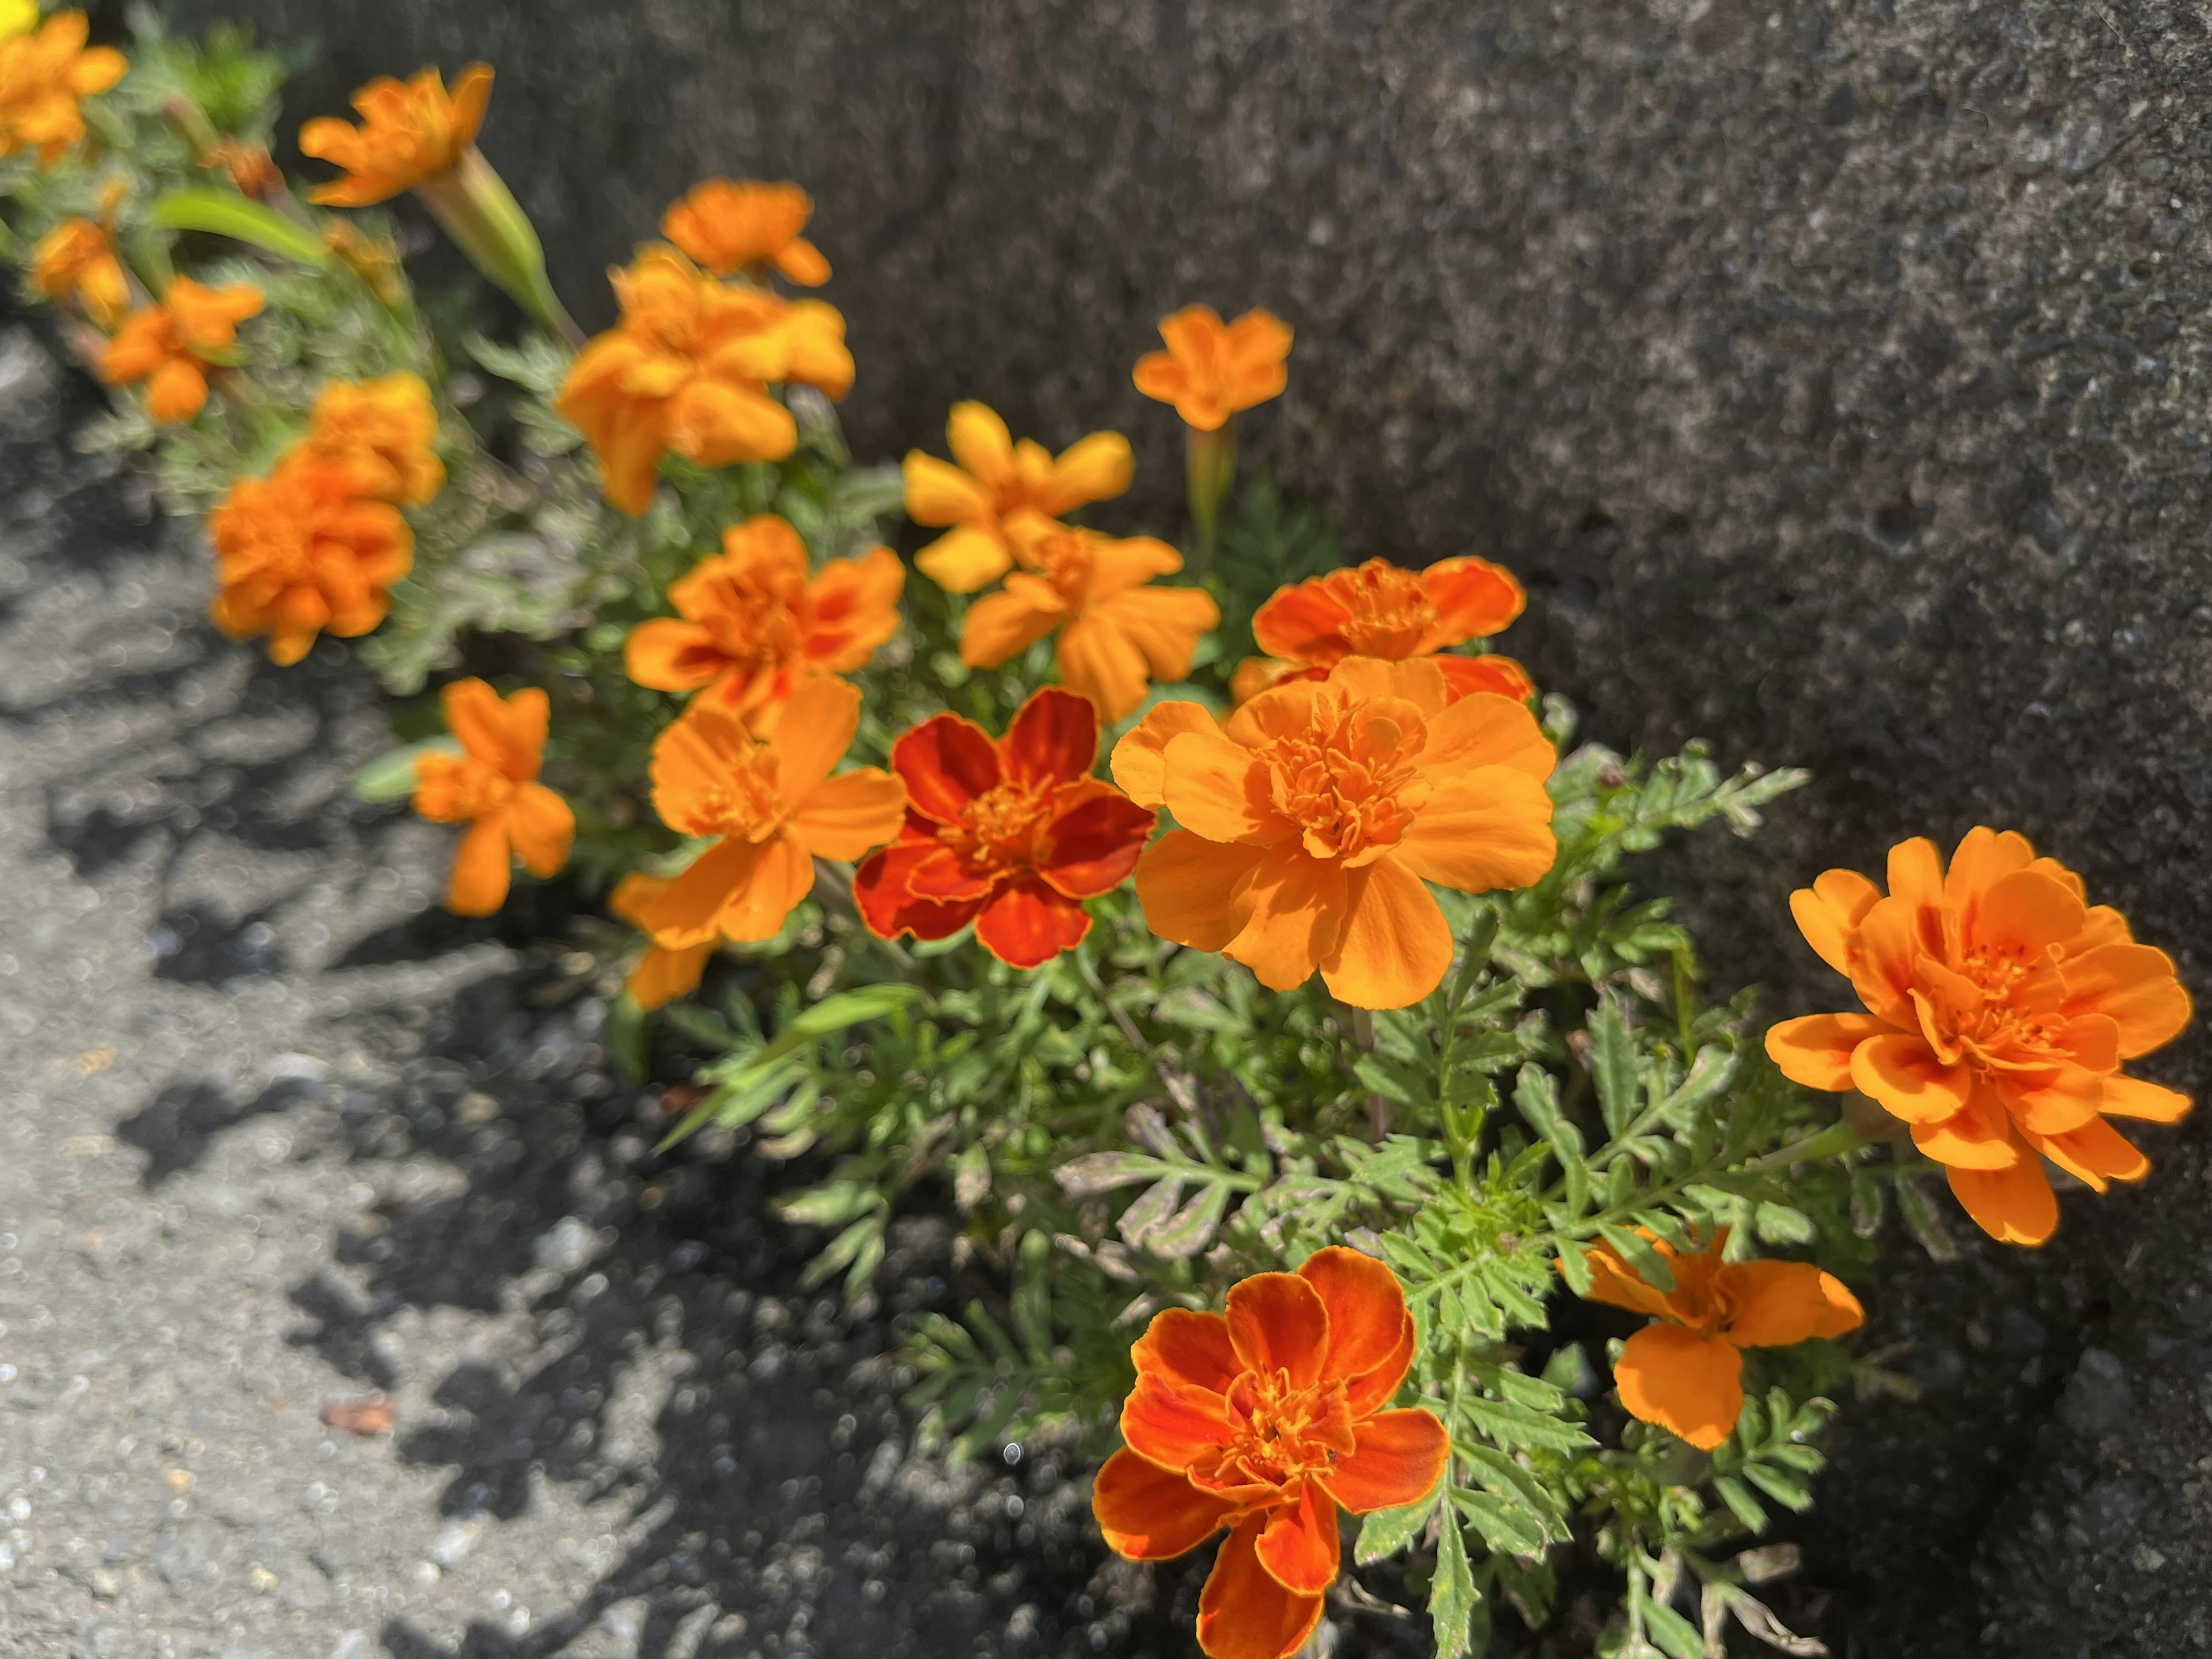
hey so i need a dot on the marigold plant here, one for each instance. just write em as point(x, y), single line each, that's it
point(1012, 835)
point(44, 73)
point(729, 225)
point(1113, 631)
point(1267, 1420)
point(173, 346)
point(754, 620)
point(309, 549)
point(2000, 1008)
point(386, 429)
point(492, 787)
point(410, 132)
point(995, 489)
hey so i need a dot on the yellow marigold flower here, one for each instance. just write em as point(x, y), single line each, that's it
point(305, 550)
point(688, 369)
point(75, 261)
point(388, 425)
point(1117, 632)
point(43, 74)
point(372, 258)
point(492, 787)
point(173, 345)
point(1212, 369)
point(731, 225)
point(998, 487)
point(410, 132)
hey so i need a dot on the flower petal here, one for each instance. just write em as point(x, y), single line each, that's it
point(1194, 890)
point(1481, 830)
point(1979, 1136)
point(1689, 1385)
point(1216, 787)
point(1053, 739)
point(2014, 1205)
point(1093, 841)
point(846, 816)
point(481, 872)
point(2054, 1101)
point(1026, 924)
point(1484, 730)
point(889, 906)
point(1175, 1425)
point(1883, 950)
point(1916, 872)
point(1188, 1347)
point(1096, 468)
point(2131, 1097)
point(687, 910)
point(1244, 1613)
point(1816, 1050)
point(1098, 660)
point(947, 763)
point(663, 975)
point(817, 728)
point(2026, 911)
point(1900, 1071)
point(1294, 907)
point(783, 876)
point(1614, 1282)
point(2133, 985)
point(1401, 1456)
point(940, 493)
point(541, 826)
point(1395, 946)
point(1777, 1303)
point(1148, 1513)
point(1139, 762)
point(2096, 1152)
point(1367, 1315)
point(1009, 622)
point(1298, 1546)
point(1278, 1321)
point(670, 655)
point(1830, 909)
point(965, 560)
point(979, 442)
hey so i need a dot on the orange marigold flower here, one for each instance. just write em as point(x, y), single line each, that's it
point(1310, 819)
point(757, 619)
point(1212, 369)
point(253, 173)
point(2000, 1007)
point(388, 426)
point(1378, 610)
point(688, 369)
point(410, 132)
point(76, 261)
point(43, 74)
point(1117, 632)
point(171, 345)
point(1012, 835)
point(771, 808)
point(662, 975)
point(997, 486)
point(305, 552)
point(492, 787)
point(1268, 1420)
point(731, 225)
point(1685, 1371)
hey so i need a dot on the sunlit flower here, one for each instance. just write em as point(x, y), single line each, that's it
point(2000, 1007)
point(173, 345)
point(305, 550)
point(770, 808)
point(253, 173)
point(1377, 609)
point(17, 17)
point(372, 258)
point(43, 75)
point(729, 225)
point(492, 787)
point(999, 486)
point(1117, 632)
point(410, 132)
point(1267, 1421)
point(1212, 369)
point(75, 260)
point(688, 369)
point(1310, 819)
point(1685, 1371)
point(662, 975)
point(1011, 834)
point(756, 620)
point(388, 425)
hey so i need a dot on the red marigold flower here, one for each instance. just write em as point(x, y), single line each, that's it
point(1267, 1420)
point(1011, 834)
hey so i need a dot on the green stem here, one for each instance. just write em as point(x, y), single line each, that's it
point(1210, 468)
point(1098, 986)
point(473, 205)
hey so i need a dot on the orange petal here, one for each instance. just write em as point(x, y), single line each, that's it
point(1816, 1050)
point(1473, 599)
point(1689, 1385)
point(2026, 911)
point(1299, 1545)
point(1093, 469)
point(1174, 1424)
point(1148, 1513)
point(475, 714)
point(1830, 909)
point(1244, 1613)
point(1278, 1322)
point(2131, 1097)
point(979, 441)
point(779, 879)
point(1139, 759)
point(1296, 906)
point(1776, 1304)
point(1216, 787)
point(1188, 1347)
point(1053, 739)
point(847, 816)
point(1883, 951)
point(1026, 924)
point(2013, 1205)
point(965, 560)
point(1916, 872)
point(1983, 857)
point(1395, 946)
point(541, 826)
point(2133, 985)
point(1481, 830)
point(1482, 730)
point(1978, 1136)
point(2052, 1102)
point(669, 655)
point(480, 874)
point(662, 975)
point(687, 912)
point(1900, 1070)
point(1004, 624)
point(1367, 1316)
point(1194, 891)
point(2096, 1152)
point(1614, 1282)
point(817, 727)
point(1098, 660)
point(1401, 1457)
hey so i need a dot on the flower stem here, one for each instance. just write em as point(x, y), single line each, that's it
point(473, 205)
point(1210, 468)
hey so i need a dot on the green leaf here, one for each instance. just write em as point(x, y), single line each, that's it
point(1574, 1267)
point(1504, 1524)
point(391, 776)
point(1191, 1229)
point(1738, 1498)
point(1454, 1603)
point(851, 1007)
point(1102, 1172)
point(1385, 1532)
point(1783, 1488)
point(225, 213)
point(1613, 1068)
point(1676, 1634)
point(1777, 1224)
point(1650, 1267)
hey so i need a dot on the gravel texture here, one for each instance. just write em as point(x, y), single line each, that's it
point(1835, 372)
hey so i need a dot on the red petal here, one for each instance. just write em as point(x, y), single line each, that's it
point(1148, 1513)
point(1175, 1425)
point(1465, 676)
point(1054, 738)
point(1278, 1322)
point(944, 876)
point(1401, 1456)
point(1026, 924)
point(888, 909)
point(1243, 1614)
point(1298, 1544)
point(1094, 842)
point(946, 761)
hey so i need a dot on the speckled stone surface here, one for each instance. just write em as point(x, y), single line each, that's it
point(1835, 373)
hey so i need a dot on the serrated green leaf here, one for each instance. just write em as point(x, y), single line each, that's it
point(1386, 1532)
point(1613, 1068)
point(1454, 1603)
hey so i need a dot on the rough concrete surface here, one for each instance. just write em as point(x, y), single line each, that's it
point(1834, 371)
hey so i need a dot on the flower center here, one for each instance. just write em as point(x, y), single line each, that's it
point(1066, 562)
point(746, 801)
point(1282, 1434)
point(2006, 1018)
point(1390, 611)
point(999, 827)
point(452, 788)
point(1348, 781)
point(758, 620)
